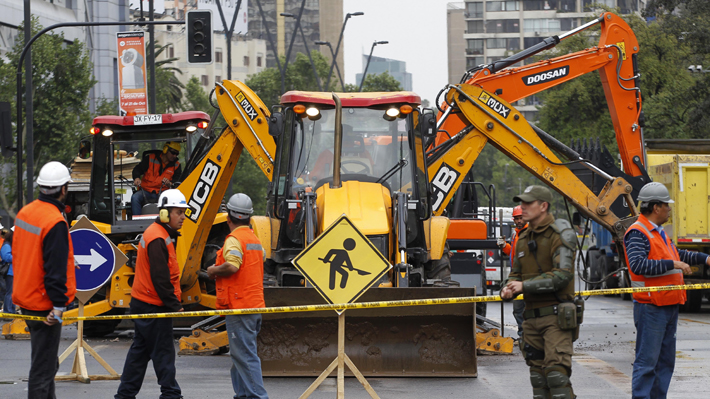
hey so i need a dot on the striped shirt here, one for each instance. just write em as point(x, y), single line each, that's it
point(638, 247)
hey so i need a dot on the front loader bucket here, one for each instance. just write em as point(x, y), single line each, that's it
point(413, 341)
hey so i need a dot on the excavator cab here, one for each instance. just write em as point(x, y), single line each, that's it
point(102, 173)
point(380, 159)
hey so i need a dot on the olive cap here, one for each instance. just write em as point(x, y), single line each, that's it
point(534, 193)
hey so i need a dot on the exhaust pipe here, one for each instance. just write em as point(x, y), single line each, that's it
point(338, 141)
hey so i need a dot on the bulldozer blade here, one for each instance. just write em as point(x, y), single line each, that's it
point(413, 341)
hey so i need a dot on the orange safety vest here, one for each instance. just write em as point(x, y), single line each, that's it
point(32, 224)
point(143, 288)
point(152, 180)
point(509, 247)
point(245, 288)
point(660, 249)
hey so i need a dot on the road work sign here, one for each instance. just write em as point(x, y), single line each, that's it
point(96, 257)
point(342, 263)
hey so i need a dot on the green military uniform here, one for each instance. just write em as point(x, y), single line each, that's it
point(544, 263)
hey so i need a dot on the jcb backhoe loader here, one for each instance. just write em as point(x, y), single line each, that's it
point(479, 111)
point(370, 168)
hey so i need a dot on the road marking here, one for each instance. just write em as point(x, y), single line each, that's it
point(694, 321)
point(605, 370)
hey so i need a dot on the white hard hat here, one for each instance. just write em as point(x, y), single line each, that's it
point(12, 228)
point(240, 206)
point(52, 177)
point(172, 199)
point(1, 226)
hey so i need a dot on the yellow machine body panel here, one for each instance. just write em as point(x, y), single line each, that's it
point(368, 206)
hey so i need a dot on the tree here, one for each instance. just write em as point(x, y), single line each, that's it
point(62, 78)
point(376, 82)
point(168, 89)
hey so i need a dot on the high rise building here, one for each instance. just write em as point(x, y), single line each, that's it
point(321, 20)
point(455, 42)
point(498, 29)
point(397, 69)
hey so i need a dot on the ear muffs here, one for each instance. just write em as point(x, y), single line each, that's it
point(164, 216)
point(165, 149)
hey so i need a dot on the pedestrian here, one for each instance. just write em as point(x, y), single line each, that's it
point(6, 257)
point(156, 289)
point(654, 261)
point(44, 280)
point(543, 271)
point(239, 271)
point(520, 225)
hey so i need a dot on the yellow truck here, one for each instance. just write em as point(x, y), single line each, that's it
point(683, 166)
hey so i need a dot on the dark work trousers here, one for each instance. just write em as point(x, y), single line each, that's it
point(153, 340)
point(45, 346)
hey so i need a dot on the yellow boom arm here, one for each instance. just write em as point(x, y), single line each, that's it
point(494, 120)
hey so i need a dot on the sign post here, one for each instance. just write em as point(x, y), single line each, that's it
point(341, 264)
point(98, 259)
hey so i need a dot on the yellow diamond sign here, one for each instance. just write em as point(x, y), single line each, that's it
point(341, 263)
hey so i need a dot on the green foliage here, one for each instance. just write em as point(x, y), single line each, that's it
point(168, 89)
point(374, 82)
point(62, 78)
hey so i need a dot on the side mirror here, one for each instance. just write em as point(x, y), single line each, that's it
point(427, 123)
point(576, 219)
point(276, 123)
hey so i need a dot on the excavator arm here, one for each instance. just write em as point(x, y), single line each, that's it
point(248, 120)
point(615, 59)
point(492, 119)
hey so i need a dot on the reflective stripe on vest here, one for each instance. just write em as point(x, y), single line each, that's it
point(245, 288)
point(659, 250)
point(143, 288)
point(33, 222)
point(152, 180)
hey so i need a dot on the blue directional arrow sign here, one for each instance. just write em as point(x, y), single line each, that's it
point(94, 254)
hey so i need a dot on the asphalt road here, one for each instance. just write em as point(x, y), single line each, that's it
point(602, 366)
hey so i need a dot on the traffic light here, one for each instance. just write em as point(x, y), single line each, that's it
point(199, 37)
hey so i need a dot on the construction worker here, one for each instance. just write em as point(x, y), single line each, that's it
point(543, 271)
point(520, 225)
point(43, 266)
point(156, 289)
point(155, 174)
point(655, 261)
point(239, 271)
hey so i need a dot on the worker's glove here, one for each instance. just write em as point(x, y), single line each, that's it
point(501, 242)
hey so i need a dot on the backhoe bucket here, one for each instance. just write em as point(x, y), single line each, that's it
point(413, 341)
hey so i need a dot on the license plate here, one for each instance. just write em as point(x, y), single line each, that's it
point(148, 119)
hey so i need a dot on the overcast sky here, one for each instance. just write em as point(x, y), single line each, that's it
point(416, 32)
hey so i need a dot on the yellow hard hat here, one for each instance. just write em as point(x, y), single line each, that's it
point(171, 144)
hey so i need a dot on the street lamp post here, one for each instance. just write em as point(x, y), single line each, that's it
point(305, 43)
point(322, 43)
point(364, 74)
point(337, 48)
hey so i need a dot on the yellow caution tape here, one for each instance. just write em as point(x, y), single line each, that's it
point(22, 316)
point(359, 305)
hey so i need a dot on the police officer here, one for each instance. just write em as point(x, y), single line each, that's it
point(655, 261)
point(154, 174)
point(43, 260)
point(543, 272)
point(156, 289)
point(239, 271)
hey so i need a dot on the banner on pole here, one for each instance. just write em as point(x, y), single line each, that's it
point(133, 94)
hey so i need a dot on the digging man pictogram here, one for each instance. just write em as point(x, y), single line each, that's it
point(339, 258)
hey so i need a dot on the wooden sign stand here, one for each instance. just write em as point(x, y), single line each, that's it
point(78, 370)
point(340, 362)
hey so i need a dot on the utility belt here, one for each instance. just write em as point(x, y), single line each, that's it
point(569, 314)
point(540, 312)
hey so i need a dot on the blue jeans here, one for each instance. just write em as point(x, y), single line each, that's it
point(246, 365)
point(655, 350)
point(8, 306)
point(141, 198)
